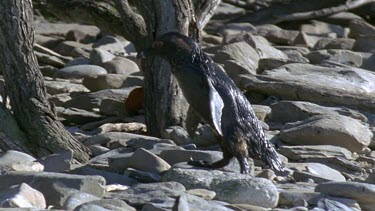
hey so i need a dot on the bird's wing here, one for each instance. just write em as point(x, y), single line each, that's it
point(216, 107)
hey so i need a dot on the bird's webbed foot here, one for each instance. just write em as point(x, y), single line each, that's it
point(214, 165)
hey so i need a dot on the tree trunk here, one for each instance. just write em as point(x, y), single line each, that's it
point(25, 86)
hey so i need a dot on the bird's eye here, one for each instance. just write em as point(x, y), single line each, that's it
point(157, 44)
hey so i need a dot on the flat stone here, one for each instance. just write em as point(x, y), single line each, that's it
point(203, 193)
point(59, 87)
point(89, 101)
point(316, 171)
point(73, 49)
point(335, 43)
point(127, 139)
point(22, 196)
point(110, 177)
point(61, 29)
point(321, 28)
point(154, 163)
point(333, 130)
point(293, 111)
point(345, 57)
point(276, 34)
point(359, 28)
point(365, 44)
point(178, 135)
point(311, 152)
point(351, 87)
point(111, 81)
point(363, 193)
point(77, 116)
point(79, 71)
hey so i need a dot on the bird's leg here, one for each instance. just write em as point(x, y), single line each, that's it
point(244, 164)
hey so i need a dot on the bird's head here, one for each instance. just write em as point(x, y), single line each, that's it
point(171, 46)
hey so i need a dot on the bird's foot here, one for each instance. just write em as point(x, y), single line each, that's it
point(200, 163)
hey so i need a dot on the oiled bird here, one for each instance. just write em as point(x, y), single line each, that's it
point(217, 100)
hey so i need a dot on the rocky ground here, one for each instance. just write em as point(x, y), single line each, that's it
point(312, 86)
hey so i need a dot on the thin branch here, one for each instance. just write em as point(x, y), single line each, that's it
point(349, 5)
point(132, 22)
point(204, 10)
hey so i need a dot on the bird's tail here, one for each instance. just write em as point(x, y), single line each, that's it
point(272, 159)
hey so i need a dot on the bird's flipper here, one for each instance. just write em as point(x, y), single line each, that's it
point(216, 107)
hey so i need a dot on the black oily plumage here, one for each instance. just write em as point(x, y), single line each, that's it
point(218, 101)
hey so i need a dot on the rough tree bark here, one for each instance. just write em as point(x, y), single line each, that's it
point(25, 86)
point(142, 21)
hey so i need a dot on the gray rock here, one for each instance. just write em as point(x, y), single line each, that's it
point(333, 130)
point(127, 139)
point(79, 71)
point(105, 204)
point(335, 43)
point(310, 152)
point(321, 28)
point(73, 49)
point(236, 28)
point(111, 81)
point(316, 171)
point(77, 199)
point(157, 196)
point(77, 116)
point(368, 61)
point(78, 61)
point(365, 44)
point(100, 56)
point(320, 85)
point(49, 60)
point(262, 47)
point(48, 70)
point(345, 57)
point(292, 111)
point(142, 160)
point(203, 193)
point(56, 187)
point(204, 136)
point(306, 40)
point(237, 58)
point(22, 196)
point(178, 156)
point(327, 204)
point(13, 157)
point(141, 176)
point(79, 36)
point(276, 34)
point(57, 162)
point(110, 177)
point(58, 87)
point(225, 10)
point(121, 65)
point(178, 135)
point(89, 101)
point(48, 41)
point(229, 187)
point(289, 197)
point(360, 28)
point(254, 191)
point(61, 29)
point(364, 193)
